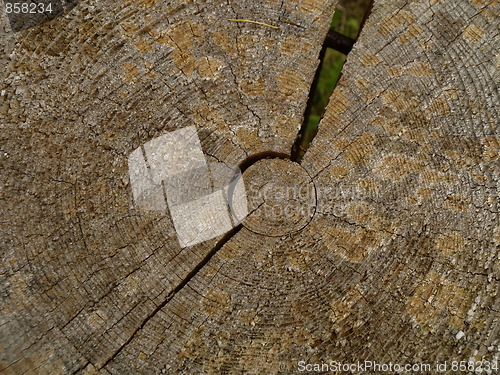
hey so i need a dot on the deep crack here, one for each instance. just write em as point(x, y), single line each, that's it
point(340, 43)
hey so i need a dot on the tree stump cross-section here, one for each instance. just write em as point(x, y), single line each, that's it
point(382, 245)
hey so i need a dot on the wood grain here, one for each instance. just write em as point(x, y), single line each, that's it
point(398, 263)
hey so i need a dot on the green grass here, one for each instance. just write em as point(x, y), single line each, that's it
point(346, 21)
point(331, 67)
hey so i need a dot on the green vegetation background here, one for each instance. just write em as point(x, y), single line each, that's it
point(347, 20)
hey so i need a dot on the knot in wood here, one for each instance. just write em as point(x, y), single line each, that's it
point(281, 197)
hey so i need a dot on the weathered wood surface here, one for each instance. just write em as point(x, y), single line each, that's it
point(394, 258)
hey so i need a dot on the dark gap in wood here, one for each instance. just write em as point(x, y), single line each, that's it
point(298, 148)
point(342, 44)
point(245, 164)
